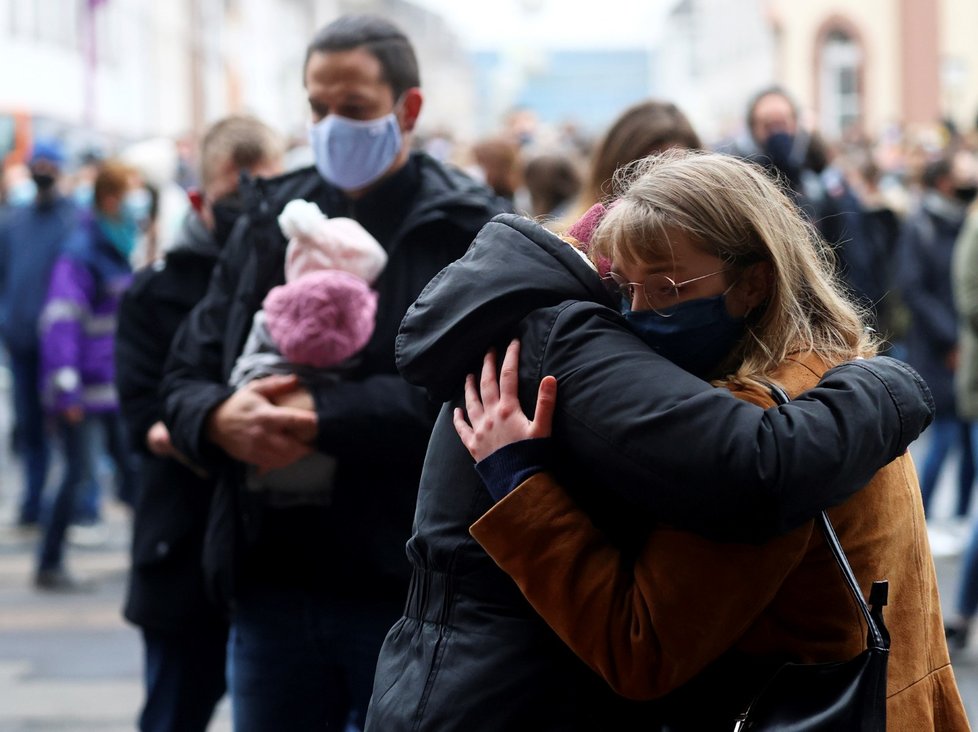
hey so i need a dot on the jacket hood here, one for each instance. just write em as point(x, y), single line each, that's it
point(193, 239)
point(513, 268)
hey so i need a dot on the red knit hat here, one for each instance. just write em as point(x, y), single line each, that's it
point(321, 318)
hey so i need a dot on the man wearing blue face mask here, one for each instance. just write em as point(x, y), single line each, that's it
point(314, 586)
point(77, 331)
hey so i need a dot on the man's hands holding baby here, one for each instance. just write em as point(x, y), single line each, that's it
point(269, 422)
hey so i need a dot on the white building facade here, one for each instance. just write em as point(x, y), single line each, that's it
point(107, 72)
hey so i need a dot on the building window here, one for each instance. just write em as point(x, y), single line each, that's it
point(44, 22)
point(839, 81)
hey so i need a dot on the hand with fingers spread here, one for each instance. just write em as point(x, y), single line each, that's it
point(495, 417)
point(250, 427)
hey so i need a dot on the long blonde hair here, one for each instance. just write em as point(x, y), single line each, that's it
point(731, 208)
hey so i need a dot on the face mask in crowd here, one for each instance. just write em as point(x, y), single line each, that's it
point(123, 233)
point(84, 195)
point(782, 150)
point(226, 210)
point(44, 181)
point(966, 194)
point(695, 335)
point(352, 154)
point(22, 193)
point(136, 205)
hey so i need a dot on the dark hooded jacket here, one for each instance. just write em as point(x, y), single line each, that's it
point(373, 422)
point(638, 441)
point(166, 587)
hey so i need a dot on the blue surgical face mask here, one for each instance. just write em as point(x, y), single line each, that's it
point(352, 154)
point(136, 205)
point(123, 233)
point(84, 195)
point(696, 336)
point(22, 193)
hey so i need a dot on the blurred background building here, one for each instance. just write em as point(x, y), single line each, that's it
point(856, 68)
point(103, 73)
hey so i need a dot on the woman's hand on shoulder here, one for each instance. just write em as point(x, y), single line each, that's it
point(495, 417)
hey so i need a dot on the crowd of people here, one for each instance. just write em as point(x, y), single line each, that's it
point(286, 391)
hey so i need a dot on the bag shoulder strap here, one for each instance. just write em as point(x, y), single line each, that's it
point(878, 637)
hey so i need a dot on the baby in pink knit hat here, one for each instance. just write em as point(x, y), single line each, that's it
point(312, 326)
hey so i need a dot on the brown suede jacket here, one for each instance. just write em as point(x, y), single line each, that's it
point(650, 626)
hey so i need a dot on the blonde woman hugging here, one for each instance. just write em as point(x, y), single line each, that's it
point(717, 272)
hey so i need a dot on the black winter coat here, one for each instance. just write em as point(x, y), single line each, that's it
point(166, 583)
point(375, 423)
point(925, 249)
point(639, 441)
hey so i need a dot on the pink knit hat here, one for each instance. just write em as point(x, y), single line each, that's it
point(583, 228)
point(317, 242)
point(321, 318)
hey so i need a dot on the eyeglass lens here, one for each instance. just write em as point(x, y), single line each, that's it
point(660, 292)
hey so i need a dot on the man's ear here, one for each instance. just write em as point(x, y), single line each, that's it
point(410, 108)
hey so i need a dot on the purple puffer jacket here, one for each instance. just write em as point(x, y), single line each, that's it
point(78, 323)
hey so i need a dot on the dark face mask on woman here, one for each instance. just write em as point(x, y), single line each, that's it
point(696, 335)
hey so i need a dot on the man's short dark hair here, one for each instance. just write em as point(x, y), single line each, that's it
point(380, 38)
point(768, 91)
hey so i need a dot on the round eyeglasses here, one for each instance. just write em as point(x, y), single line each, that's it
point(662, 293)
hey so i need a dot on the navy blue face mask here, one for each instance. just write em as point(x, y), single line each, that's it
point(780, 150)
point(697, 335)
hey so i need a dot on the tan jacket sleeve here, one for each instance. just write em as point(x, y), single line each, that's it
point(650, 627)
point(647, 628)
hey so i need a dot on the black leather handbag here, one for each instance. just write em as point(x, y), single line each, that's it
point(844, 695)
